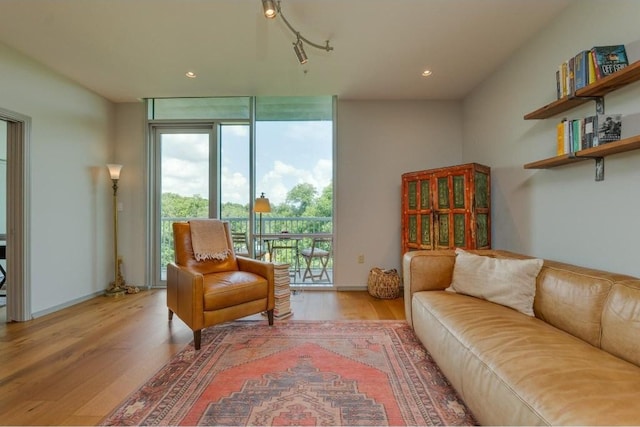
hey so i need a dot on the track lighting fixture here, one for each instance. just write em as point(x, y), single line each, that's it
point(300, 53)
point(298, 47)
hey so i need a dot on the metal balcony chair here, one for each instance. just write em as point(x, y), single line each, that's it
point(321, 249)
point(288, 245)
point(241, 245)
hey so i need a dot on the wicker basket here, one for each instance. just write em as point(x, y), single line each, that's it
point(384, 284)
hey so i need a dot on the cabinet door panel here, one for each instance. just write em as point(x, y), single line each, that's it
point(482, 190)
point(443, 193)
point(412, 195)
point(482, 230)
point(425, 194)
point(459, 230)
point(459, 192)
point(413, 229)
point(425, 225)
point(443, 231)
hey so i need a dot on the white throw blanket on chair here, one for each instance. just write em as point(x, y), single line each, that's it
point(209, 239)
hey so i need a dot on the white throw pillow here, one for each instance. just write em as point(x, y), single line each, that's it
point(509, 282)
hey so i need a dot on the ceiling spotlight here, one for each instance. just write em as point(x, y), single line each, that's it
point(299, 50)
point(191, 74)
point(426, 73)
point(269, 8)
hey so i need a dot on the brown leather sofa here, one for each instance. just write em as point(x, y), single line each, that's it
point(577, 362)
point(206, 293)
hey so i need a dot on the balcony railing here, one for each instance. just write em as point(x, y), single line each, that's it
point(271, 225)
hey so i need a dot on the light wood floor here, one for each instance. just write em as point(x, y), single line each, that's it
point(74, 366)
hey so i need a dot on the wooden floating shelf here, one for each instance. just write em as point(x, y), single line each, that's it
point(556, 107)
point(628, 75)
point(624, 145)
point(552, 162)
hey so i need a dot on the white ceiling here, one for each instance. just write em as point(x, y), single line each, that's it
point(130, 49)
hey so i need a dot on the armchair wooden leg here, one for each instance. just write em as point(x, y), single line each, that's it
point(170, 314)
point(270, 317)
point(196, 338)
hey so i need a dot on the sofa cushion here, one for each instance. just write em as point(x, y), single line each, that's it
point(509, 282)
point(572, 298)
point(621, 321)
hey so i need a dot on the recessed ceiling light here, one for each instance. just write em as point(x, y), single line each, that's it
point(191, 74)
point(426, 73)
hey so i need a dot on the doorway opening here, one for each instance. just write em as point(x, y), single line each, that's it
point(15, 129)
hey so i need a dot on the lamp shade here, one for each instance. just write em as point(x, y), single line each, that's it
point(114, 170)
point(262, 205)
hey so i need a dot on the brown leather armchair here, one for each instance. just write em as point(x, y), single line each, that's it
point(206, 293)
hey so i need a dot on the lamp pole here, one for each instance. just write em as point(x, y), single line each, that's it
point(261, 205)
point(115, 288)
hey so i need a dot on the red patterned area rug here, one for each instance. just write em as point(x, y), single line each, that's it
point(305, 373)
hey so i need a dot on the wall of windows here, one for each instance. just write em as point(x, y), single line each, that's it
point(279, 146)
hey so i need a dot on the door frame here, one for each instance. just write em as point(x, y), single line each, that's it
point(155, 128)
point(18, 214)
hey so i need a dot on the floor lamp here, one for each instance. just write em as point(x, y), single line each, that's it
point(117, 287)
point(261, 206)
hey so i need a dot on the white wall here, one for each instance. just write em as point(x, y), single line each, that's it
point(71, 138)
point(376, 143)
point(559, 213)
point(131, 153)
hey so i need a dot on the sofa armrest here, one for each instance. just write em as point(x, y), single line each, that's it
point(185, 295)
point(261, 268)
point(425, 271)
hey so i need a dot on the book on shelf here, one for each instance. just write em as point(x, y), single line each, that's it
point(566, 137)
point(609, 128)
point(576, 135)
point(592, 69)
point(588, 132)
point(571, 84)
point(609, 59)
point(562, 79)
point(560, 138)
point(581, 70)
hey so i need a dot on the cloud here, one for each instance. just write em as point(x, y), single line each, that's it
point(298, 153)
point(283, 177)
point(235, 187)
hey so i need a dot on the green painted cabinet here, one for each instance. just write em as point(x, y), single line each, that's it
point(447, 208)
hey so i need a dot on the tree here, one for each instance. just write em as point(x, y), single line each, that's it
point(177, 206)
point(323, 206)
point(300, 197)
point(234, 210)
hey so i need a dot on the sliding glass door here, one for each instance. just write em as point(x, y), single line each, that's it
point(185, 157)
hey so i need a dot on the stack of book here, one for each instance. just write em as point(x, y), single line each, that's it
point(580, 134)
point(588, 66)
point(282, 291)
